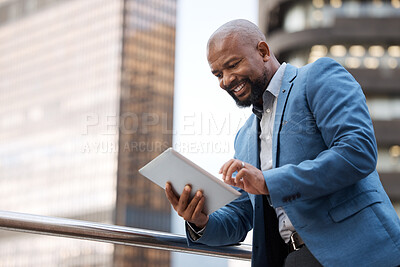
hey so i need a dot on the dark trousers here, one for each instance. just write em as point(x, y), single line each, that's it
point(301, 258)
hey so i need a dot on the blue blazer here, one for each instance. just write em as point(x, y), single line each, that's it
point(324, 176)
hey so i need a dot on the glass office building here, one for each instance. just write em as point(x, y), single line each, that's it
point(362, 35)
point(86, 93)
point(147, 85)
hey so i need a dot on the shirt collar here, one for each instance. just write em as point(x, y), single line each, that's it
point(272, 89)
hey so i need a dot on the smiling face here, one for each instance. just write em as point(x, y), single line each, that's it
point(239, 65)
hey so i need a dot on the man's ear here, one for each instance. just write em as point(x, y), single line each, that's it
point(263, 49)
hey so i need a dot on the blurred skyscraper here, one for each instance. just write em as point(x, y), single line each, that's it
point(86, 90)
point(364, 36)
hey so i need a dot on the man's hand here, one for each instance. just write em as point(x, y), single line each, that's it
point(190, 211)
point(249, 178)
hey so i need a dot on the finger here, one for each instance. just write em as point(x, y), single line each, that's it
point(225, 167)
point(226, 179)
point(229, 181)
point(235, 166)
point(199, 208)
point(240, 178)
point(172, 198)
point(240, 175)
point(183, 200)
point(241, 184)
point(227, 175)
point(192, 205)
point(246, 184)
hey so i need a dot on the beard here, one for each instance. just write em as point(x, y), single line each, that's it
point(257, 90)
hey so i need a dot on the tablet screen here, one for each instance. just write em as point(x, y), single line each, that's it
point(171, 166)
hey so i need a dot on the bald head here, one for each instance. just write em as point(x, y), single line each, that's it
point(240, 30)
point(240, 58)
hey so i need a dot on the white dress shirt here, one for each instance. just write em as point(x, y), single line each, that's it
point(270, 97)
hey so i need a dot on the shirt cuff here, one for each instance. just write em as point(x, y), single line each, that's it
point(195, 232)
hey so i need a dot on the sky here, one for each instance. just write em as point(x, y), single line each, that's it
point(206, 118)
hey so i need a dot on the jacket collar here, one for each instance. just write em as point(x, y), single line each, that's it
point(287, 84)
point(272, 90)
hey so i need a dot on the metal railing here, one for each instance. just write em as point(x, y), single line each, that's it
point(22, 222)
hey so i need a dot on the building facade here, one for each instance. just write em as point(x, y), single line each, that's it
point(147, 86)
point(86, 90)
point(363, 36)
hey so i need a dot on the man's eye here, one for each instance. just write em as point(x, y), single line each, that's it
point(219, 75)
point(234, 65)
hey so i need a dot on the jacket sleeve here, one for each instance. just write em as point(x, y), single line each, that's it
point(228, 225)
point(338, 106)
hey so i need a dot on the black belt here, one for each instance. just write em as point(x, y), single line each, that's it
point(295, 242)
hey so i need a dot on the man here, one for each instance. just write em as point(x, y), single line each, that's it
point(304, 162)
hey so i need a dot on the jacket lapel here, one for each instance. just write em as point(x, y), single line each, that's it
point(287, 84)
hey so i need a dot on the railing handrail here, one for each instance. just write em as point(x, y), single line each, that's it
point(115, 234)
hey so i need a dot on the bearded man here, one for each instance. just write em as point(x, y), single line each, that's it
point(305, 162)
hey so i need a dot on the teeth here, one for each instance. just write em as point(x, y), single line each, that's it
point(237, 89)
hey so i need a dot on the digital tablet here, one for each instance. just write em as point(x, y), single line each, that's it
point(179, 171)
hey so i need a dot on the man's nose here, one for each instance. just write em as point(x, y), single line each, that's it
point(226, 81)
